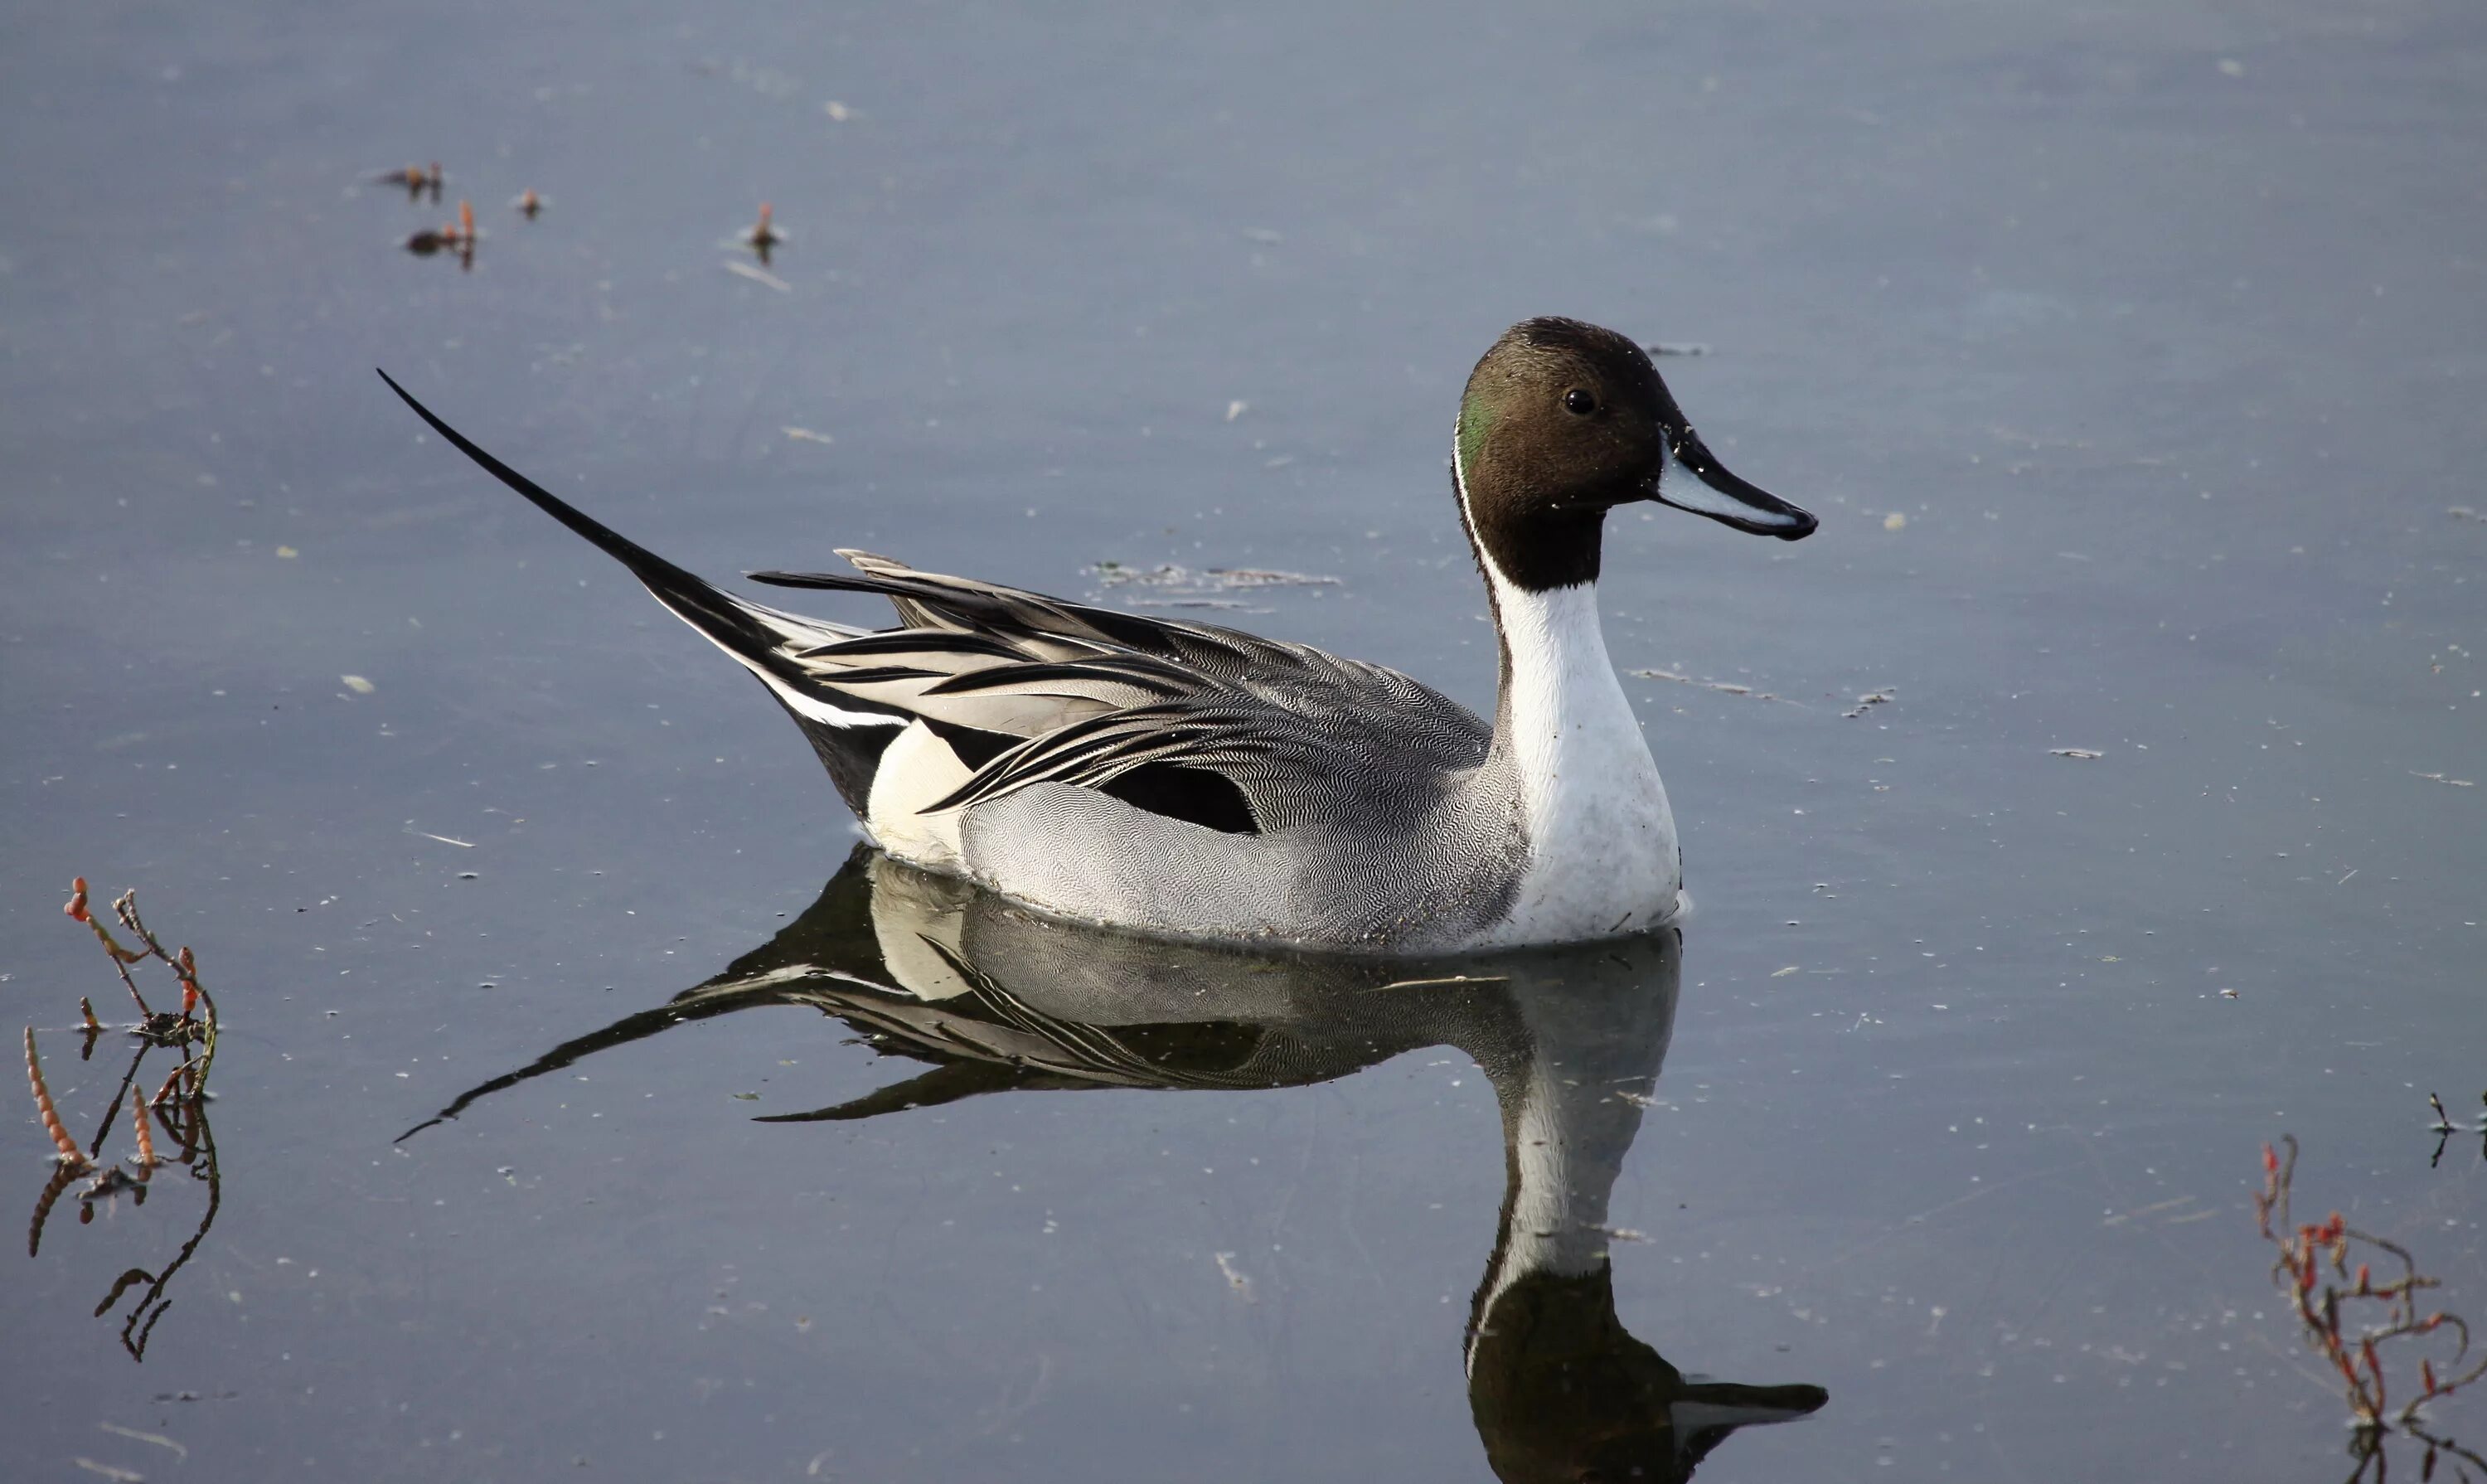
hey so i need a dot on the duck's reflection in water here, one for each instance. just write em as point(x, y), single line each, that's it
point(996, 999)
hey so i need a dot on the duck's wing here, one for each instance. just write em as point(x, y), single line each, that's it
point(934, 601)
point(1066, 692)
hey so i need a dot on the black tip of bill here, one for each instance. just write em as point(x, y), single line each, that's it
point(1728, 499)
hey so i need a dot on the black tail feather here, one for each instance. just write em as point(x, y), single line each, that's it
point(759, 637)
point(714, 612)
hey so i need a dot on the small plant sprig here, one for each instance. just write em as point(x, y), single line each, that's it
point(2351, 1316)
point(179, 1105)
point(197, 1020)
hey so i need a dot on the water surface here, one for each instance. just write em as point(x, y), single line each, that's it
point(2131, 354)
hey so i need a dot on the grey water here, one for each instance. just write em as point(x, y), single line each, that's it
point(2132, 355)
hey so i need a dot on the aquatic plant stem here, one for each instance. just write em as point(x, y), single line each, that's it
point(70, 1155)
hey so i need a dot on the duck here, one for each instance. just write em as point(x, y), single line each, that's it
point(992, 999)
point(1192, 781)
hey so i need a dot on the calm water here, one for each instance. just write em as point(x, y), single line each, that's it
point(2131, 352)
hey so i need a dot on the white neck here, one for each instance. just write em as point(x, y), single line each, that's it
point(1601, 843)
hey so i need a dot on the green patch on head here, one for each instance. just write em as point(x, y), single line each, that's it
point(1477, 420)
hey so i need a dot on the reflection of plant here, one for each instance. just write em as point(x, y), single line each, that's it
point(2314, 1269)
point(180, 1102)
point(2444, 1127)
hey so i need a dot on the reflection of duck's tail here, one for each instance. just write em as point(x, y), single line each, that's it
point(882, 950)
point(949, 1083)
point(833, 935)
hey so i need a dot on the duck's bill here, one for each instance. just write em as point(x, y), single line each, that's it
point(1721, 495)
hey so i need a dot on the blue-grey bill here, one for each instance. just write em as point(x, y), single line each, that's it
point(1713, 491)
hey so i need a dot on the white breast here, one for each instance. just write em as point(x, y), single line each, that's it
point(1601, 849)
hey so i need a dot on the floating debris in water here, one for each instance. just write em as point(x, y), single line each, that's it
point(2464, 513)
point(1675, 347)
point(157, 1439)
point(415, 179)
point(1895, 522)
point(1235, 1280)
point(1869, 701)
point(763, 236)
point(2458, 783)
point(2086, 754)
point(1722, 686)
point(806, 435)
point(357, 684)
point(760, 277)
point(1169, 574)
point(458, 237)
point(1184, 587)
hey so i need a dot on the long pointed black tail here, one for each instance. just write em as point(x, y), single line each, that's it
point(849, 734)
point(730, 622)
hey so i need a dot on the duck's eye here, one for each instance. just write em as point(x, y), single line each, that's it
point(1580, 403)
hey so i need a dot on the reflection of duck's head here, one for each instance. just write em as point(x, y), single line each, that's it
point(1560, 1390)
point(996, 999)
point(1560, 1393)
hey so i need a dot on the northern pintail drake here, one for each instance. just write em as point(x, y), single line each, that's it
point(1196, 781)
